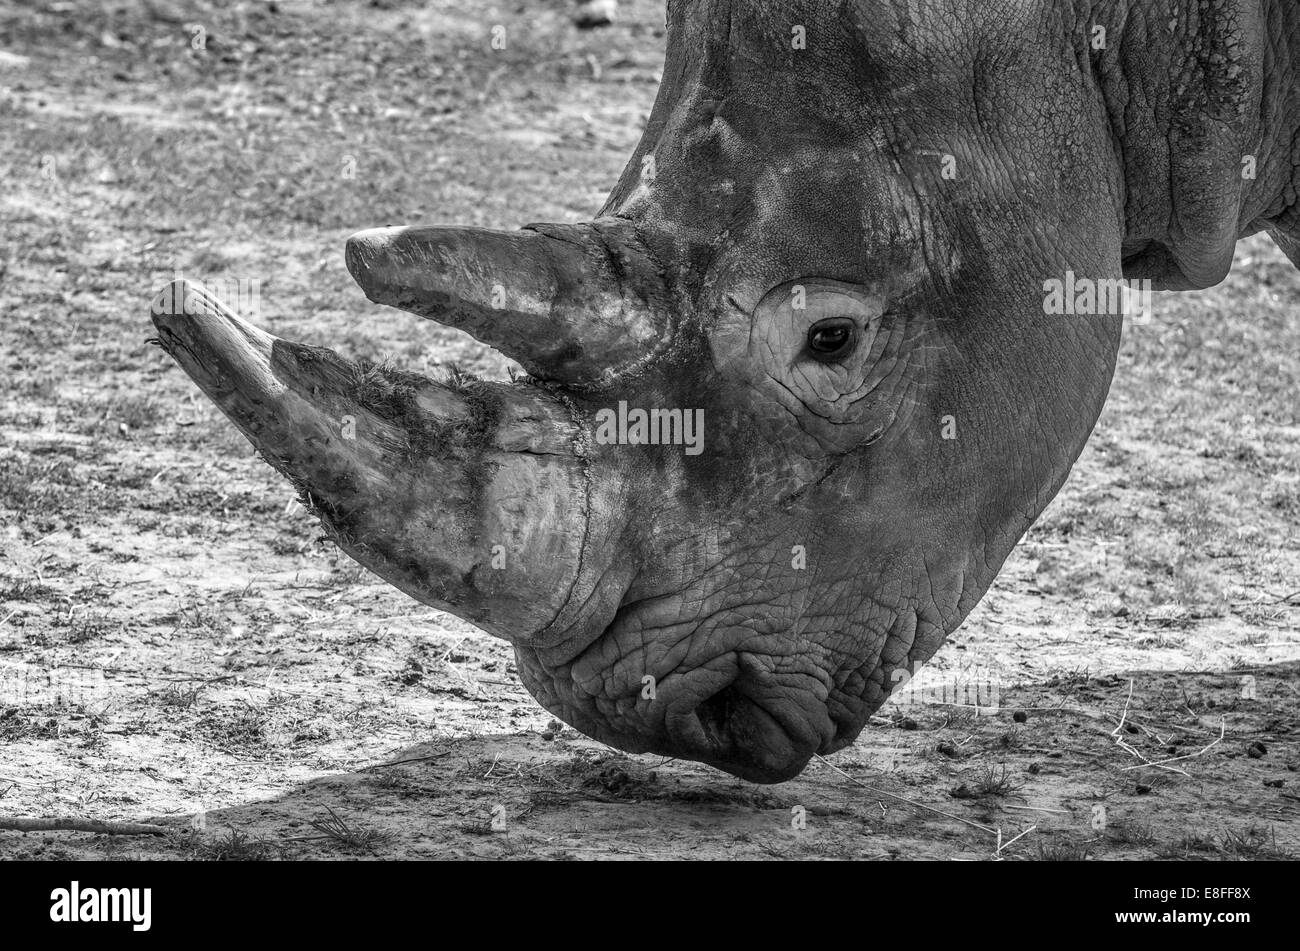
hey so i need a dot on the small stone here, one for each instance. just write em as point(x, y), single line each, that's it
point(1256, 750)
point(1020, 716)
point(594, 13)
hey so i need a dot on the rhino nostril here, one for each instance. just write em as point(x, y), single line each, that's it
point(716, 713)
point(734, 730)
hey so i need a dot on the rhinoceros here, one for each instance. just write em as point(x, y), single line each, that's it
point(796, 391)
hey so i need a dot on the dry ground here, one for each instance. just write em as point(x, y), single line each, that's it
point(177, 642)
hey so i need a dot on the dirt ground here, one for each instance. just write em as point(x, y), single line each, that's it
point(178, 643)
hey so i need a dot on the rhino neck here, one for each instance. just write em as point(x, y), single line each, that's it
point(1204, 105)
point(1281, 218)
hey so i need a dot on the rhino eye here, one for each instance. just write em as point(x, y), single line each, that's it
point(832, 339)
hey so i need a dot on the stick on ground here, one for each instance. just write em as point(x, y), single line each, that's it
point(101, 827)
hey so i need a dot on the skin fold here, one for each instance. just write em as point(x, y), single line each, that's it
point(833, 241)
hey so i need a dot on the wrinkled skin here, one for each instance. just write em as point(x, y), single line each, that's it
point(829, 535)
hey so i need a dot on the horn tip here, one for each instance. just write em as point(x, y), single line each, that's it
point(362, 248)
point(179, 300)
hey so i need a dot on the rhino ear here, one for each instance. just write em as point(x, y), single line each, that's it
point(569, 302)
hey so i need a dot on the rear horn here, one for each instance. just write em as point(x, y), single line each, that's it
point(572, 303)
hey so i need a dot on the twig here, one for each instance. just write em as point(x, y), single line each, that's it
point(1047, 752)
point(413, 759)
point(1282, 600)
point(97, 826)
point(452, 649)
point(205, 683)
point(1174, 759)
point(1170, 726)
point(918, 805)
point(1127, 701)
point(1002, 845)
point(1152, 734)
point(1058, 812)
point(24, 782)
point(304, 838)
point(1130, 749)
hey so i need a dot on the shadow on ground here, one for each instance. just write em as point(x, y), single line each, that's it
point(1152, 764)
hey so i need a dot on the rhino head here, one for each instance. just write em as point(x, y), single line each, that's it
point(829, 255)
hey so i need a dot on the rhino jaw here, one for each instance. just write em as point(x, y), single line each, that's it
point(471, 497)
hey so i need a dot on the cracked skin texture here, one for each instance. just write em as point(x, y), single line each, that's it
point(840, 252)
